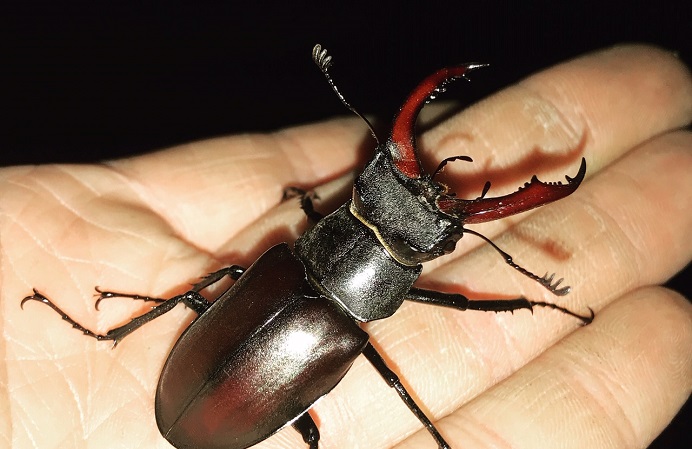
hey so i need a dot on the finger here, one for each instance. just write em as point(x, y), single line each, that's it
point(210, 190)
point(599, 106)
point(616, 383)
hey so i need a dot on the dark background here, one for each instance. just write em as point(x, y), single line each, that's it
point(83, 83)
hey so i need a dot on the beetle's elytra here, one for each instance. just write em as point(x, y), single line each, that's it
point(285, 333)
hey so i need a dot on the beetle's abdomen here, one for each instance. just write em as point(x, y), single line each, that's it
point(257, 359)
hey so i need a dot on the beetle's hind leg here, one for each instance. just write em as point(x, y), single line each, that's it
point(308, 429)
point(306, 202)
point(234, 272)
point(191, 298)
point(393, 381)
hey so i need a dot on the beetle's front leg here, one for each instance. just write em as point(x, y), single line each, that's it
point(306, 198)
point(461, 302)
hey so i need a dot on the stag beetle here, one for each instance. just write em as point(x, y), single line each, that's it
point(286, 332)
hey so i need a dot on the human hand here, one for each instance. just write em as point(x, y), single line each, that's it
point(153, 223)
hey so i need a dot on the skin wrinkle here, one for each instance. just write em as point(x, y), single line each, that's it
point(655, 91)
point(288, 147)
point(485, 436)
point(609, 404)
point(595, 260)
point(65, 170)
point(76, 211)
point(559, 125)
point(141, 192)
point(483, 360)
point(179, 218)
point(569, 122)
point(626, 431)
point(672, 201)
point(630, 233)
point(619, 245)
point(302, 166)
point(153, 203)
point(548, 117)
point(28, 414)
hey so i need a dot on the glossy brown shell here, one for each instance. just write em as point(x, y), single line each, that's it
point(262, 354)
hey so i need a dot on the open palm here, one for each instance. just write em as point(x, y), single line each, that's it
point(155, 223)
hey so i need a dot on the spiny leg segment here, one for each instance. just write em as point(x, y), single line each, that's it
point(191, 298)
point(461, 302)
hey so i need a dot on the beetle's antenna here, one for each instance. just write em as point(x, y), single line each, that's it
point(546, 281)
point(324, 61)
point(447, 160)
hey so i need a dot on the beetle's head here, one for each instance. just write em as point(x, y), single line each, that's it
point(411, 214)
point(402, 212)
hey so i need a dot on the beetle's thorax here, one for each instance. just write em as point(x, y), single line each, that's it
point(367, 254)
point(346, 262)
point(402, 212)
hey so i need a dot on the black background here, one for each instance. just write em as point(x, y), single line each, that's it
point(84, 83)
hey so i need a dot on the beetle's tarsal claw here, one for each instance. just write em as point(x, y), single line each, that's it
point(37, 296)
point(589, 319)
point(100, 296)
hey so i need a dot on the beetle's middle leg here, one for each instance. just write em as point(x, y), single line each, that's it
point(393, 381)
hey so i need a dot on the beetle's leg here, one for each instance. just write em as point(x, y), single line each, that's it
point(393, 381)
point(461, 302)
point(193, 299)
point(101, 295)
point(308, 429)
point(305, 202)
point(234, 272)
